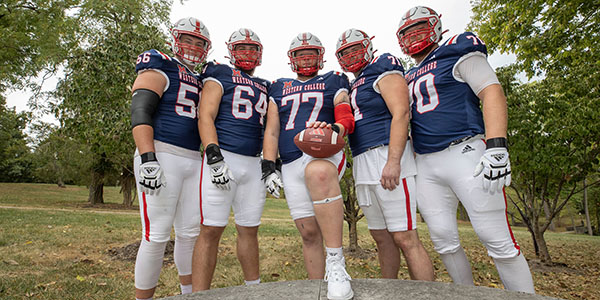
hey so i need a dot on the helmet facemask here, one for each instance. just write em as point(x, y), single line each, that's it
point(358, 50)
point(250, 56)
point(306, 64)
point(415, 41)
point(189, 49)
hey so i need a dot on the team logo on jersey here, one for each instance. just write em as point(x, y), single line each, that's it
point(467, 148)
point(237, 72)
point(287, 84)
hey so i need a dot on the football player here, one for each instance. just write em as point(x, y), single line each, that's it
point(384, 167)
point(231, 117)
point(462, 152)
point(311, 185)
point(167, 160)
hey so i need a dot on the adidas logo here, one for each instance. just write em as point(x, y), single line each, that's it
point(467, 148)
point(498, 157)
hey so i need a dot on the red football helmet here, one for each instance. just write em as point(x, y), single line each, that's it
point(304, 41)
point(354, 61)
point(190, 54)
point(244, 59)
point(418, 40)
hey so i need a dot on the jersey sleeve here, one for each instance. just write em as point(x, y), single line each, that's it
point(465, 43)
point(215, 72)
point(152, 59)
point(384, 65)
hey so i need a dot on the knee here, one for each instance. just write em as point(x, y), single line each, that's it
point(311, 237)
point(211, 233)
point(407, 239)
point(381, 237)
point(319, 172)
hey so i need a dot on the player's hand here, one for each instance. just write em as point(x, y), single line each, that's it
point(152, 177)
point(318, 124)
point(271, 177)
point(390, 176)
point(221, 175)
point(495, 166)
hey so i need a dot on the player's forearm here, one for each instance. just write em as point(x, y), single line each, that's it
point(207, 130)
point(143, 135)
point(495, 113)
point(398, 137)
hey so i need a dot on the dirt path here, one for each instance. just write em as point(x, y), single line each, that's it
point(97, 211)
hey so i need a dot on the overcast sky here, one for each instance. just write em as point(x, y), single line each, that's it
point(278, 22)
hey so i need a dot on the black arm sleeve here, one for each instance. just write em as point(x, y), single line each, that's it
point(143, 105)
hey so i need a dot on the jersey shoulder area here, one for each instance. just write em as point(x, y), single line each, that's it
point(337, 78)
point(216, 70)
point(282, 83)
point(153, 59)
point(385, 62)
point(462, 44)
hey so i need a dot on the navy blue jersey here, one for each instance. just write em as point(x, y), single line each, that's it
point(240, 119)
point(175, 120)
point(300, 103)
point(444, 109)
point(372, 117)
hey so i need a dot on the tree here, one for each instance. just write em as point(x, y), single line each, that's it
point(58, 158)
point(32, 35)
point(15, 156)
point(92, 101)
point(352, 212)
point(553, 127)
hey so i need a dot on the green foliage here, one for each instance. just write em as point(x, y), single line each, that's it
point(93, 99)
point(15, 157)
point(554, 131)
point(60, 159)
point(34, 36)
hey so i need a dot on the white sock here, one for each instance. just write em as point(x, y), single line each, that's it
point(251, 282)
point(334, 252)
point(185, 289)
point(144, 298)
point(514, 273)
point(458, 267)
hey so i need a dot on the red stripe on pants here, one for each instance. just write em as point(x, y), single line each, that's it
point(200, 194)
point(407, 197)
point(512, 236)
point(146, 219)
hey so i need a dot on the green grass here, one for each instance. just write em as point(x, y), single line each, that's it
point(55, 246)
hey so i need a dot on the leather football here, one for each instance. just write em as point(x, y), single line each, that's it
point(319, 142)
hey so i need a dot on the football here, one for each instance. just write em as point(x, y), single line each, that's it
point(319, 142)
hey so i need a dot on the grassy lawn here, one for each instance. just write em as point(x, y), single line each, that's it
point(55, 246)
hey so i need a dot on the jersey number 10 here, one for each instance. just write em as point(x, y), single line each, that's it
point(432, 96)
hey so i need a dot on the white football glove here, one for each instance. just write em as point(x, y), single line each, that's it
point(221, 175)
point(152, 177)
point(495, 165)
point(271, 176)
point(273, 184)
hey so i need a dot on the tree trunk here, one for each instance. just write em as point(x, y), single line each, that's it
point(462, 213)
point(353, 235)
point(96, 188)
point(587, 211)
point(540, 241)
point(127, 187)
point(548, 215)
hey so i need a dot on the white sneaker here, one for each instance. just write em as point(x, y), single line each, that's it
point(338, 280)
